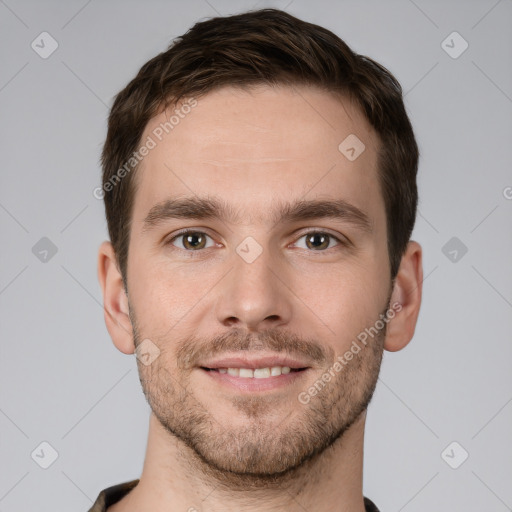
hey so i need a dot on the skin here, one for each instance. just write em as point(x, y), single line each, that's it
point(210, 447)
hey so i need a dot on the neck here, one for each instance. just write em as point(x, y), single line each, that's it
point(174, 478)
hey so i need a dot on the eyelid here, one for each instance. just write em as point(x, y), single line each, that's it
point(185, 231)
point(342, 239)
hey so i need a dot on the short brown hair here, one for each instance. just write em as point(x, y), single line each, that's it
point(271, 47)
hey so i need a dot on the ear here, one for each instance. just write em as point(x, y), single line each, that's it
point(115, 301)
point(406, 292)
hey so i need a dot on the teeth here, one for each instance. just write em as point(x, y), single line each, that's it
point(258, 373)
point(261, 373)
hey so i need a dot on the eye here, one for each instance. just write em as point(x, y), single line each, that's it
point(191, 240)
point(319, 240)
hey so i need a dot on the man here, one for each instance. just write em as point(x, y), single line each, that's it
point(259, 181)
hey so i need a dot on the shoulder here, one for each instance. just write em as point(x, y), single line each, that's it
point(369, 506)
point(111, 495)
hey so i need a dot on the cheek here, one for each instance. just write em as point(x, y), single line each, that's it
point(152, 295)
point(163, 292)
point(346, 299)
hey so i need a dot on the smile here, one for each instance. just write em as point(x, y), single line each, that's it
point(250, 380)
point(256, 373)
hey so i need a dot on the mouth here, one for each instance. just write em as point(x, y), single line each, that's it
point(247, 381)
point(255, 373)
point(247, 373)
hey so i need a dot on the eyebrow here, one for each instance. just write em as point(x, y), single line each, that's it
point(212, 208)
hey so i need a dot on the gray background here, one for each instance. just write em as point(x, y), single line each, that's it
point(61, 379)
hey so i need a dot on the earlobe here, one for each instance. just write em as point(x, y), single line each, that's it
point(407, 292)
point(115, 301)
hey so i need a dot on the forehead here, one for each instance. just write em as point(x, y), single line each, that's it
point(255, 146)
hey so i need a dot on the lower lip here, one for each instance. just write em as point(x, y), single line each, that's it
point(251, 384)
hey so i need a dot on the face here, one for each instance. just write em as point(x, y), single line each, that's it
point(257, 257)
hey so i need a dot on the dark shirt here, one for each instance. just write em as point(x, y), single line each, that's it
point(113, 494)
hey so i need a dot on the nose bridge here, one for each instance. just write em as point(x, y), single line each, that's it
point(253, 263)
point(253, 295)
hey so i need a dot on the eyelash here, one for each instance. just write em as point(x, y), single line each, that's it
point(313, 231)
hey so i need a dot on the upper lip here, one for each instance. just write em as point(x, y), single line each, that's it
point(255, 362)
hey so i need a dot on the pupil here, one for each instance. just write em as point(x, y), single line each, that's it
point(313, 239)
point(193, 240)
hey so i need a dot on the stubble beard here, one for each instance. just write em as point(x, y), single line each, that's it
point(267, 450)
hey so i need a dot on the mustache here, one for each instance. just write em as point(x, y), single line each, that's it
point(192, 350)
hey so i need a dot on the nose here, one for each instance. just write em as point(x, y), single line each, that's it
point(254, 295)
